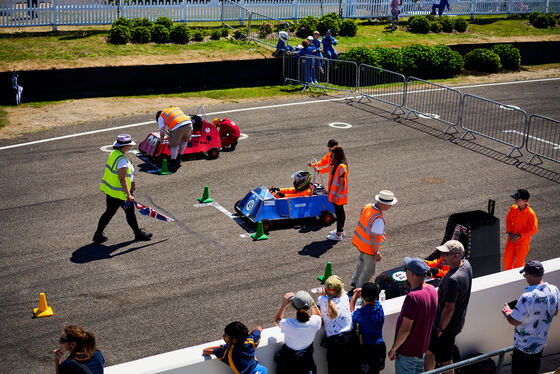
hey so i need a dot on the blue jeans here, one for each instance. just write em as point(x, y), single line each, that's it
point(409, 365)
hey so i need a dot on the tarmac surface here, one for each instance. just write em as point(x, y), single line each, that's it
point(201, 272)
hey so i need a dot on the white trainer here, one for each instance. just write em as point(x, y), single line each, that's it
point(334, 237)
point(334, 232)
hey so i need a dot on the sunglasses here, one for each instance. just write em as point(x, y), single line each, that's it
point(63, 340)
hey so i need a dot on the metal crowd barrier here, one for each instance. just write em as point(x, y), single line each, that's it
point(233, 15)
point(543, 138)
point(503, 123)
point(500, 352)
point(290, 68)
point(259, 24)
point(383, 85)
point(328, 74)
point(431, 100)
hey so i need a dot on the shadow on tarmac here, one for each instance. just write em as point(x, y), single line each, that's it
point(317, 249)
point(95, 252)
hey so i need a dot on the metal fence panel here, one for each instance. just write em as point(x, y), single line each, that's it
point(259, 27)
point(383, 85)
point(290, 68)
point(433, 101)
point(233, 15)
point(503, 123)
point(328, 74)
point(543, 138)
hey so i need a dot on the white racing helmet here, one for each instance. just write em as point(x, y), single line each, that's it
point(302, 180)
point(283, 35)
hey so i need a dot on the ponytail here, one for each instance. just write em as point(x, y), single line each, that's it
point(333, 310)
point(86, 343)
point(302, 315)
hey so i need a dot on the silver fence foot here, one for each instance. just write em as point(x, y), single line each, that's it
point(513, 150)
point(369, 100)
point(540, 161)
point(450, 126)
point(465, 134)
point(397, 107)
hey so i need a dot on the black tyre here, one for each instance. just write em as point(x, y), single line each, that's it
point(326, 217)
point(213, 153)
point(236, 207)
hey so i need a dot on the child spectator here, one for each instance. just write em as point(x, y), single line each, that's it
point(307, 65)
point(367, 324)
point(296, 355)
point(239, 350)
point(335, 310)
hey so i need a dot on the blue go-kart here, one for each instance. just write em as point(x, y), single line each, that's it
point(260, 205)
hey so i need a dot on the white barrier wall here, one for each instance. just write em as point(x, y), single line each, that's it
point(485, 330)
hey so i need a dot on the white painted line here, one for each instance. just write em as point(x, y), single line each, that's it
point(243, 136)
point(340, 125)
point(240, 221)
point(509, 107)
point(258, 108)
point(556, 146)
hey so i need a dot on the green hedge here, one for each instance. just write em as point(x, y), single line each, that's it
point(510, 58)
point(160, 34)
point(348, 28)
point(141, 34)
point(330, 21)
point(180, 34)
point(119, 34)
point(306, 26)
point(482, 59)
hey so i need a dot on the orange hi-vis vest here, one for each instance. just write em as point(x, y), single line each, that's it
point(365, 240)
point(338, 189)
point(324, 165)
point(172, 117)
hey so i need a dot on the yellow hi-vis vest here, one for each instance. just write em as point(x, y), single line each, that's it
point(173, 117)
point(111, 184)
point(365, 240)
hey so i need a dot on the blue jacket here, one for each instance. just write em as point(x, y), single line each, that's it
point(328, 42)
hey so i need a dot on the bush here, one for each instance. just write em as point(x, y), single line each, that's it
point(388, 59)
point(533, 16)
point(329, 21)
point(447, 62)
point(180, 34)
point(164, 21)
point(142, 22)
point(160, 34)
point(541, 22)
point(265, 30)
point(431, 17)
point(119, 34)
point(461, 25)
point(417, 61)
point(121, 21)
point(436, 26)
point(224, 32)
point(348, 28)
point(141, 34)
point(447, 23)
point(411, 18)
point(419, 25)
point(482, 59)
point(238, 34)
point(550, 19)
point(215, 34)
point(198, 36)
point(360, 55)
point(306, 26)
point(510, 58)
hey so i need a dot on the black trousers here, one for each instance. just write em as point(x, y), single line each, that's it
point(523, 363)
point(113, 205)
point(341, 353)
point(295, 362)
point(340, 217)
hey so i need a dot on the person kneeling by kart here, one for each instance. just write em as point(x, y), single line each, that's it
point(302, 186)
point(229, 132)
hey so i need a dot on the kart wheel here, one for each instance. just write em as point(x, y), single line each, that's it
point(326, 217)
point(213, 153)
point(266, 225)
point(236, 207)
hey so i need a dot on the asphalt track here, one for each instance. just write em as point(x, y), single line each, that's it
point(201, 272)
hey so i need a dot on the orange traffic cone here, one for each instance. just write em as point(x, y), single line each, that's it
point(43, 310)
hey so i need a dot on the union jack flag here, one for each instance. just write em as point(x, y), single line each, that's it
point(147, 211)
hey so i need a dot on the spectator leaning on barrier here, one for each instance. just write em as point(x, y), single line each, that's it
point(180, 130)
point(328, 42)
point(414, 324)
point(531, 316)
point(239, 350)
point(368, 236)
point(307, 65)
point(83, 355)
point(335, 310)
point(282, 45)
point(324, 165)
point(521, 225)
point(454, 292)
point(367, 324)
point(338, 190)
point(296, 354)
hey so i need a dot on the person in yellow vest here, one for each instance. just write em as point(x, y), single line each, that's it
point(180, 131)
point(338, 190)
point(324, 166)
point(368, 236)
point(118, 184)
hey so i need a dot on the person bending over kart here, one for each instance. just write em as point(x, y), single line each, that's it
point(180, 130)
point(302, 186)
point(229, 132)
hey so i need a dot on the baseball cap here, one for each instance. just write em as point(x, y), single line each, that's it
point(302, 300)
point(521, 194)
point(416, 265)
point(334, 284)
point(533, 268)
point(452, 246)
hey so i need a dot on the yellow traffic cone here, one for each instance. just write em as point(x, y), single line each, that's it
point(259, 235)
point(205, 196)
point(43, 310)
point(328, 273)
point(164, 170)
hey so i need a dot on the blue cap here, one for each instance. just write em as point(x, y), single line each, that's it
point(416, 265)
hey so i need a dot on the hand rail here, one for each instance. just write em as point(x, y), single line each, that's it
point(473, 360)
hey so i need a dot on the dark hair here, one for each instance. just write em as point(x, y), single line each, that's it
point(85, 342)
point(158, 114)
point(302, 315)
point(238, 331)
point(332, 143)
point(370, 291)
point(305, 43)
point(338, 156)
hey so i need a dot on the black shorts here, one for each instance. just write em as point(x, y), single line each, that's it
point(442, 346)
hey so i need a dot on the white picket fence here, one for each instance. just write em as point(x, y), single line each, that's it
point(22, 13)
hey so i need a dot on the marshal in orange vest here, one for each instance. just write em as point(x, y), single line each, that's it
point(366, 241)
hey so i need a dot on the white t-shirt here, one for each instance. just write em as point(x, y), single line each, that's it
point(342, 322)
point(297, 335)
point(378, 226)
point(123, 163)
